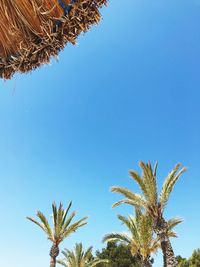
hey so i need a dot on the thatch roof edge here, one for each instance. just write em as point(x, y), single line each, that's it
point(40, 51)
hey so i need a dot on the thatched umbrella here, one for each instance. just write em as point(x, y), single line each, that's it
point(31, 31)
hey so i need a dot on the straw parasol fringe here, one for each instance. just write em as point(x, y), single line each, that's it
point(31, 32)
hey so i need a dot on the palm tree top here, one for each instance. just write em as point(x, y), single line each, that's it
point(140, 235)
point(62, 223)
point(147, 181)
point(80, 258)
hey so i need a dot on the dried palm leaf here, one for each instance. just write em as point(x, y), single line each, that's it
point(32, 31)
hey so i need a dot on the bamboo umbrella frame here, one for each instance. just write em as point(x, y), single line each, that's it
point(32, 31)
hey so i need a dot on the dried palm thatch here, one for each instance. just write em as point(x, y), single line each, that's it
point(31, 31)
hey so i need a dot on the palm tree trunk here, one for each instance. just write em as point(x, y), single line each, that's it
point(146, 263)
point(161, 229)
point(53, 262)
point(168, 254)
point(54, 252)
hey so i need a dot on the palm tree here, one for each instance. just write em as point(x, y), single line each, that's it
point(79, 257)
point(62, 227)
point(153, 204)
point(140, 238)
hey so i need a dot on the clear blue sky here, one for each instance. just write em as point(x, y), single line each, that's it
point(128, 91)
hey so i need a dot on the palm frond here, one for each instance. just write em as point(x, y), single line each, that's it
point(171, 224)
point(87, 253)
point(139, 237)
point(73, 227)
point(155, 169)
point(171, 234)
point(129, 202)
point(61, 262)
point(174, 222)
point(60, 213)
point(131, 198)
point(117, 237)
point(131, 224)
point(149, 181)
point(155, 246)
point(37, 223)
point(68, 221)
point(66, 213)
point(95, 262)
point(62, 226)
point(80, 258)
point(54, 209)
point(139, 181)
point(169, 183)
point(45, 224)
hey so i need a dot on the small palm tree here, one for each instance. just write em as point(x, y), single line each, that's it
point(62, 227)
point(153, 204)
point(140, 238)
point(80, 258)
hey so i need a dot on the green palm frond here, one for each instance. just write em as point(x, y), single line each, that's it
point(66, 213)
point(80, 258)
point(138, 215)
point(140, 182)
point(155, 246)
point(132, 225)
point(147, 182)
point(62, 225)
point(73, 227)
point(172, 234)
point(61, 262)
point(78, 254)
point(169, 183)
point(131, 198)
point(127, 201)
point(149, 179)
point(174, 222)
point(44, 224)
point(87, 255)
point(155, 169)
point(171, 224)
point(139, 238)
point(37, 223)
point(60, 214)
point(126, 220)
point(67, 222)
point(95, 262)
point(54, 209)
point(117, 237)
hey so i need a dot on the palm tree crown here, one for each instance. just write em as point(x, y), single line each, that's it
point(79, 257)
point(139, 237)
point(62, 227)
point(153, 203)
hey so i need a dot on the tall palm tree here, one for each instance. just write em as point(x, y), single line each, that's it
point(139, 238)
point(153, 203)
point(80, 258)
point(62, 227)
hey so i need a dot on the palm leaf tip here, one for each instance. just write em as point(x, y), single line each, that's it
point(174, 222)
point(169, 183)
point(112, 189)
